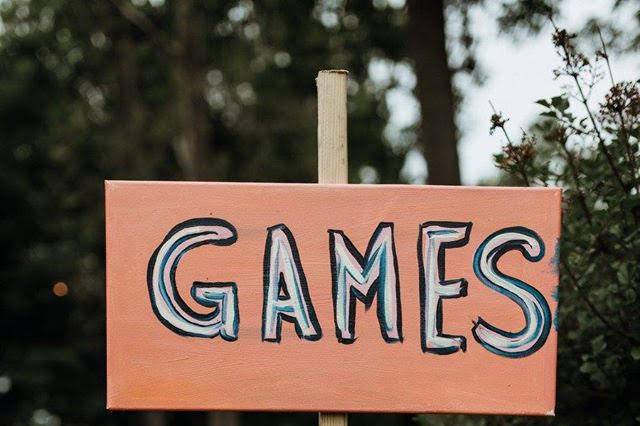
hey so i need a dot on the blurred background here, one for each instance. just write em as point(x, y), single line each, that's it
point(225, 90)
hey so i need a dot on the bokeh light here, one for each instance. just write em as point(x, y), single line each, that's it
point(60, 289)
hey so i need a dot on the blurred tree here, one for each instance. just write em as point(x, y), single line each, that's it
point(428, 49)
point(223, 90)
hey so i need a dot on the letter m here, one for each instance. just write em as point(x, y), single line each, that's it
point(359, 277)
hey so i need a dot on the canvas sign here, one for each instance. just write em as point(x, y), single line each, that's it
point(346, 298)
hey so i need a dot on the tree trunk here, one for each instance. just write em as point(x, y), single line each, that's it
point(128, 140)
point(191, 143)
point(434, 91)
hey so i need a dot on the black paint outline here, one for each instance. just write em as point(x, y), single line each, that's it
point(467, 226)
point(204, 221)
point(546, 311)
point(222, 285)
point(354, 293)
point(303, 288)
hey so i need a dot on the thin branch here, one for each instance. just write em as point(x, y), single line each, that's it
point(601, 142)
point(521, 168)
point(623, 127)
point(606, 57)
point(583, 99)
point(146, 25)
point(576, 180)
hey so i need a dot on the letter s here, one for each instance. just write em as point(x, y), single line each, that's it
point(534, 306)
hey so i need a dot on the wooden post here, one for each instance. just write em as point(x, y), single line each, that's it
point(332, 126)
point(332, 155)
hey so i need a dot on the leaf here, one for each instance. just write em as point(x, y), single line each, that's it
point(598, 344)
point(589, 367)
point(635, 353)
point(623, 276)
point(561, 103)
point(543, 102)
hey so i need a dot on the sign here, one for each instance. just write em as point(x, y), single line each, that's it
point(294, 297)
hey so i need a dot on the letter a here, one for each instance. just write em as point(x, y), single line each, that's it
point(286, 295)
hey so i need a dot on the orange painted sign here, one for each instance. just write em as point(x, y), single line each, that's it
point(340, 298)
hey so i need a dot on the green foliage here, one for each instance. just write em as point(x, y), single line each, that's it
point(591, 150)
